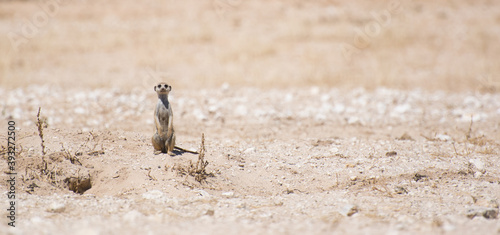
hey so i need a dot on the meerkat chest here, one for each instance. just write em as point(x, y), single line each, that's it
point(163, 111)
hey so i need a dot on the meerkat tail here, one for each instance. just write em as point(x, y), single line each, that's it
point(185, 150)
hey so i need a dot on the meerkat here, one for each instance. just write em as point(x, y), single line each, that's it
point(164, 138)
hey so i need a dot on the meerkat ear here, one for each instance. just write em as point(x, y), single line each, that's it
point(155, 88)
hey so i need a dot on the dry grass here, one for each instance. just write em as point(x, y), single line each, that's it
point(40, 124)
point(431, 45)
point(94, 140)
point(55, 169)
point(198, 170)
point(3, 150)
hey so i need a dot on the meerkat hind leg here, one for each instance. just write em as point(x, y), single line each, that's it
point(170, 144)
point(158, 144)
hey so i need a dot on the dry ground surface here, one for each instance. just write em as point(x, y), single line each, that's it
point(283, 162)
point(309, 129)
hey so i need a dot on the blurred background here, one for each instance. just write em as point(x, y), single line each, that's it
point(402, 44)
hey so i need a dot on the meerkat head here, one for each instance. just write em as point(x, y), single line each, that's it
point(162, 88)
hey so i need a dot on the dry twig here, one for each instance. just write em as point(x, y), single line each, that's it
point(40, 126)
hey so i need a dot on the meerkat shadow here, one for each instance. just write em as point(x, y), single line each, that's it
point(177, 152)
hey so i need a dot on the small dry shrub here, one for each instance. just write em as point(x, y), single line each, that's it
point(198, 170)
point(59, 169)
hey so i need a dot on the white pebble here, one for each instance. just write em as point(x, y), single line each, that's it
point(153, 194)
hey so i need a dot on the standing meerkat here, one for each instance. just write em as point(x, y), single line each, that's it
point(164, 137)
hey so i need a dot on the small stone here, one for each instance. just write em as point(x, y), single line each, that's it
point(86, 231)
point(249, 150)
point(203, 193)
point(486, 212)
point(403, 108)
point(448, 227)
point(355, 121)
point(228, 194)
point(418, 177)
point(241, 110)
point(353, 178)
point(57, 157)
point(225, 86)
point(314, 90)
point(443, 137)
point(212, 109)
point(349, 210)
point(405, 136)
point(334, 150)
point(132, 216)
point(79, 110)
point(153, 194)
point(400, 190)
point(320, 117)
point(210, 212)
point(478, 164)
point(198, 113)
point(338, 108)
point(391, 153)
point(57, 207)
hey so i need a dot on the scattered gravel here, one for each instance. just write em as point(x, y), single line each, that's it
point(311, 160)
point(109, 108)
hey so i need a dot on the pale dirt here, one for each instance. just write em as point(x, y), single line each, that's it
point(301, 137)
point(285, 161)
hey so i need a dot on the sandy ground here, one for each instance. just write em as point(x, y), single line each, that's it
point(283, 161)
point(321, 117)
point(396, 43)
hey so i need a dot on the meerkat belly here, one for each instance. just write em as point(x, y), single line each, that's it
point(163, 118)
